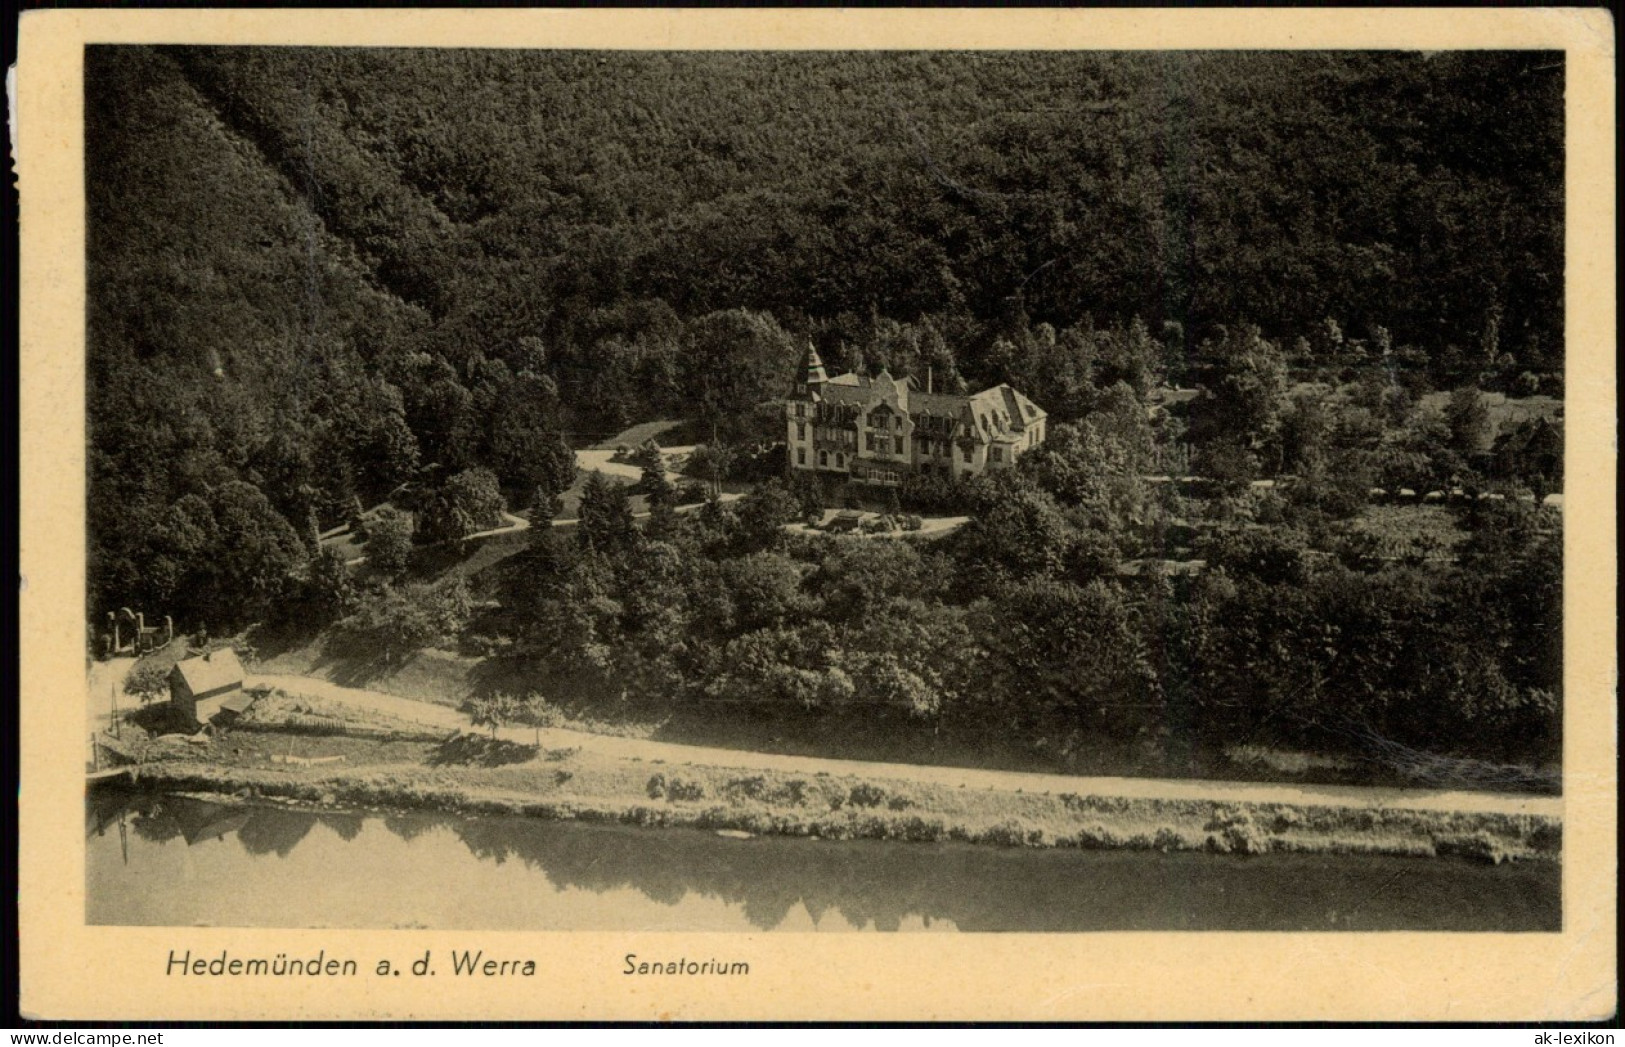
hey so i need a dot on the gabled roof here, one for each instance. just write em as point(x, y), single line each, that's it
point(211, 672)
point(992, 414)
point(936, 404)
point(1540, 432)
point(1021, 407)
point(839, 392)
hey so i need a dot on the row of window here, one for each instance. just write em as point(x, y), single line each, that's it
point(922, 425)
point(823, 458)
point(929, 423)
point(844, 414)
point(841, 437)
point(994, 453)
point(876, 420)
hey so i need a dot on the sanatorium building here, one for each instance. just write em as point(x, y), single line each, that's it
point(878, 430)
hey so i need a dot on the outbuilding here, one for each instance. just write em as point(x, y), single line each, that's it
point(205, 687)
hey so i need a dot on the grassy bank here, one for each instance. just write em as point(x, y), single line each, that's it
point(473, 774)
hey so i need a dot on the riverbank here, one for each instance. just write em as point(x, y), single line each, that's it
point(328, 768)
point(434, 678)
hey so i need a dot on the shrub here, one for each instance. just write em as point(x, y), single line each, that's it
point(389, 543)
point(1287, 819)
point(1096, 836)
point(1235, 833)
point(674, 788)
point(919, 830)
point(1073, 802)
point(866, 795)
point(1247, 838)
point(1006, 834)
point(148, 681)
point(751, 788)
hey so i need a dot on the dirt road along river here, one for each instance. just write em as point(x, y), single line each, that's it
point(442, 717)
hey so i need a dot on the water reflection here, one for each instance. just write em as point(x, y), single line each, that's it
point(299, 868)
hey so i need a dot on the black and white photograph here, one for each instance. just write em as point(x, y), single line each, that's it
point(899, 492)
point(782, 491)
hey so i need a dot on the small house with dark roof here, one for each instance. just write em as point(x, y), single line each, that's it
point(1532, 450)
point(208, 687)
point(880, 429)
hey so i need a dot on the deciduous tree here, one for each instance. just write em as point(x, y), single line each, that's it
point(389, 543)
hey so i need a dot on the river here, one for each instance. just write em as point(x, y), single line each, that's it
point(172, 861)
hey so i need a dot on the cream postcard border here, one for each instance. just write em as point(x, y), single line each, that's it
point(72, 971)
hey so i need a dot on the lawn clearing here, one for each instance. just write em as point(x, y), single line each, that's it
point(1410, 530)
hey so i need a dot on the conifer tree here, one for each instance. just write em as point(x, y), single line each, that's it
point(606, 515)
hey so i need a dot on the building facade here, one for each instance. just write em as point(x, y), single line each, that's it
point(879, 430)
point(202, 688)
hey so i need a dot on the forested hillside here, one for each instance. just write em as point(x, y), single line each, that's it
point(318, 274)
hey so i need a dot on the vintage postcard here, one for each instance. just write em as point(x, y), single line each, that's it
point(817, 515)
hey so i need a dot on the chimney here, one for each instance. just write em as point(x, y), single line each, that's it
point(928, 378)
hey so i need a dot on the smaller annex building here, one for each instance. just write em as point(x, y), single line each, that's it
point(203, 688)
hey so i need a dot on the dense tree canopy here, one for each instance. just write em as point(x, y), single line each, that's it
point(319, 275)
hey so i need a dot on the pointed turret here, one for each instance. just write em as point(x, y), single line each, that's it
point(810, 381)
